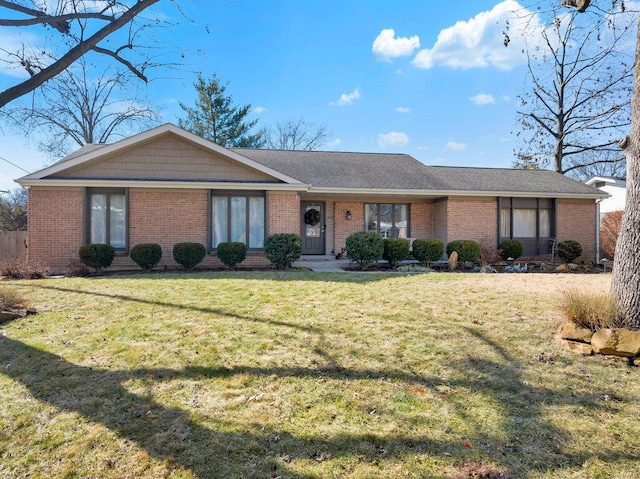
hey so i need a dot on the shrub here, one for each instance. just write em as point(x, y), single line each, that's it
point(609, 231)
point(189, 254)
point(591, 310)
point(77, 270)
point(468, 250)
point(232, 253)
point(10, 299)
point(22, 270)
point(489, 254)
point(510, 249)
point(97, 256)
point(427, 250)
point(569, 250)
point(395, 250)
point(365, 247)
point(282, 249)
point(146, 255)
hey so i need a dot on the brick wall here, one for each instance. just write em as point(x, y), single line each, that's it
point(421, 221)
point(577, 221)
point(472, 219)
point(345, 227)
point(439, 215)
point(55, 226)
point(283, 213)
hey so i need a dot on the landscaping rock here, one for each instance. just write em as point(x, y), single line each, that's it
point(617, 342)
point(576, 346)
point(571, 331)
point(6, 316)
point(562, 268)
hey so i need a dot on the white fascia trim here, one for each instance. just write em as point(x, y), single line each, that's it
point(150, 134)
point(182, 185)
point(414, 192)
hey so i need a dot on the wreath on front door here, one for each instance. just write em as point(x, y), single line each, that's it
point(312, 217)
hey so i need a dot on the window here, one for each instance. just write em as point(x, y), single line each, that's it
point(388, 220)
point(107, 217)
point(530, 220)
point(239, 218)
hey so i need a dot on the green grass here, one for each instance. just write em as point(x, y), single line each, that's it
point(309, 375)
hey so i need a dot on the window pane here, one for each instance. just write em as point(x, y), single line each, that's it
point(401, 221)
point(386, 221)
point(218, 220)
point(545, 223)
point(239, 219)
point(505, 223)
point(98, 219)
point(256, 222)
point(371, 217)
point(117, 219)
point(524, 223)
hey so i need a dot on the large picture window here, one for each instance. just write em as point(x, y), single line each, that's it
point(390, 220)
point(107, 217)
point(239, 218)
point(529, 220)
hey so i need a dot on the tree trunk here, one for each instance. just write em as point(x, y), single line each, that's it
point(626, 270)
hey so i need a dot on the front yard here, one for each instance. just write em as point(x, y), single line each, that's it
point(309, 375)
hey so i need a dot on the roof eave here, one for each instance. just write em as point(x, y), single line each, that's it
point(440, 193)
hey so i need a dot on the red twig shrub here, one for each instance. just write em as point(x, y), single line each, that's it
point(609, 230)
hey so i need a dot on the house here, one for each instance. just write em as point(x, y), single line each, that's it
point(616, 188)
point(167, 185)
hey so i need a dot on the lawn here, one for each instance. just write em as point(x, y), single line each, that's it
point(309, 375)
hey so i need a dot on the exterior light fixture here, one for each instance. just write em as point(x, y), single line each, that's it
point(348, 214)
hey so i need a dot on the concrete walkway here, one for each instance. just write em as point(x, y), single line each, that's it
point(321, 263)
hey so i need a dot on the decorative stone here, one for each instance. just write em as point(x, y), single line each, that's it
point(570, 330)
point(617, 342)
point(6, 316)
point(562, 268)
point(576, 347)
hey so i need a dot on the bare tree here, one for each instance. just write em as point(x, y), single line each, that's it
point(13, 210)
point(74, 28)
point(581, 79)
point(598, 163)
point(296, 135)
point(75, 108)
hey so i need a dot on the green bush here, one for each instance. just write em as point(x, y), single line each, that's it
point(189, 254)
point(569, 250)
point(427, 250)
point(146, 255)
point(395, 250)
point(365, 247)
point(232, 253)
point(98, 256)
point(282, 249)
point(468, 250)
point(510, 249)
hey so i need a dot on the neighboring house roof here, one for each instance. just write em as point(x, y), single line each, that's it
point(322, 172)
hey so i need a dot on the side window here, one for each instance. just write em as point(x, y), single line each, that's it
point(106, 217)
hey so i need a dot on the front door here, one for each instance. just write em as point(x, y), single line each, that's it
point(313, 226)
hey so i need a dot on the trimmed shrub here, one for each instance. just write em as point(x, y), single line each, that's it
point(232, 253)
point(468, 250)
point(428, 250)
point(146, 255)
point(98, 256)
point(395, 250)
point(510, 249)
point(189, 254)
point(282, 249)
point(365, 247)
point(569, 250)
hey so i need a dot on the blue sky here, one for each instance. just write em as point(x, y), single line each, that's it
point(427, 78)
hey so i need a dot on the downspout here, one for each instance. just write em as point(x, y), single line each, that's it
point(598, 231)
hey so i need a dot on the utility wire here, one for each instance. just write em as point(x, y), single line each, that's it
point(13, 164)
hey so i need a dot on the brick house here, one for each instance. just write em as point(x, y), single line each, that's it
point(167, 185)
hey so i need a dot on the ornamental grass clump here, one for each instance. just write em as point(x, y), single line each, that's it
point(428, 250)
point(282, 249)
point(11, 299)
point(146, 255)
point(365, 248)
point(189, 255)
point(232, 253)
point(589, 309)
point(395, 250)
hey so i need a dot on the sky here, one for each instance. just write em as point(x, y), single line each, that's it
point(428, 78)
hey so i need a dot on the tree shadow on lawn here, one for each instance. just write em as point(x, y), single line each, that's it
point(175, 437)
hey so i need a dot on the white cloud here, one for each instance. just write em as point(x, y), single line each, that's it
point(334, 143)
point(393, 138)
point(259, 109)
point(453, 146)
point(347, 98)
point(479, 42)
point(483, 99)
point(403, 109)
point(387, 45)
point(506, 98)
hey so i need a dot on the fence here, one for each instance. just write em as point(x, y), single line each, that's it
point(13, 246)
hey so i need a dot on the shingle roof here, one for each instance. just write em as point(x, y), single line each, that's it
point(399, 171)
